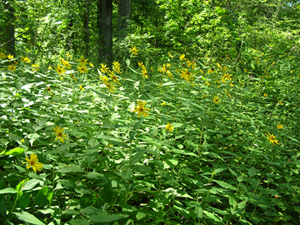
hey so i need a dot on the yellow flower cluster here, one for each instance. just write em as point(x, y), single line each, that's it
point(143, 69)
point(105, 80)
point(165, 70)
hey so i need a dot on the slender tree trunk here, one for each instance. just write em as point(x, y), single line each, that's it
point(86, 28)
point(124, 16)
point(10, 28)
point(105, 31)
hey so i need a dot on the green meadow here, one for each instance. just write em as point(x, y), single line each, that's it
point(164, 136)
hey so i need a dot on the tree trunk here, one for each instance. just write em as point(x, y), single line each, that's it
point(9, 36)
point(124, 16)
point(86, 28)
point(105, 31)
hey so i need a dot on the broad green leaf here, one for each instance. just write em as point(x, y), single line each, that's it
point(198, 212)
point(15, 151)
point(30, 184)
point(33, 137)
point(113, 140)
point(225, 185)
point(137, 125)
point(70, 169)
point(79, 222)
point(28, 218)
point(140, 215)
point(96, 175)
point(8, 191)
point(136, 158)
point(91, 155)
point(104, 218)
point(127, 174)
point(91, 210)
point(252, 172)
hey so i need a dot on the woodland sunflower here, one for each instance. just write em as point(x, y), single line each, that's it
point(59, 134)
point(33, 162)
point(141, 109)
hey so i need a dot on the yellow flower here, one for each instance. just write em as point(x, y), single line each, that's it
point(279, 126)
point(111, 87)
point(272, 138)
point(140, 64)
point(204, 96)
point(68, 55)
point(49, 67)
point(67, 64)
point(33, 162)
point(245, 70)
point(60, 70)
point(208, 84)
point(165, 70)
point(140, 109)
point(73, 77)
point(104, 69)
point(226, 77)
point(114, 77)
point(134, 51)
point(202, 72)
point(182, 57)
point(163, 103)
point(11, 67)
point(228, 93)
point(10, 56)
point(82, 61)
point(81, 88)
point(35, 67)
point(25, 60)
point(2, 55)
point(104, 79)
point(169, 127)
point(216, 100)
point(265, 95)
point(170, 55)
point(91, 64)
point(82, 69)
point(280, 102)
point(145, 72)
point(59, 134)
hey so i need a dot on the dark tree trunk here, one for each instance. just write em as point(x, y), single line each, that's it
point(124, 16)
point(105, 31)
point(10, 28)
point(86, 28)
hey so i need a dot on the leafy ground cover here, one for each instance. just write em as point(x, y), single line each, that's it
point(181, 141)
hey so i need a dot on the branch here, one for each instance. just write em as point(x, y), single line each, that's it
point(15, 38)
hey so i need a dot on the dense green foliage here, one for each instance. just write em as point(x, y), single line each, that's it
point(197, 122)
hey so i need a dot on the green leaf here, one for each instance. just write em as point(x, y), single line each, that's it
point(78, 222)
point(104, 218)
point(225, 185)
point(91, 154)
point(127, 174)
point(15, 151)
point(30, 184)
point(96, 175)
point(252, 172)
point(28, 218)
point(140, 215)
point(136, 158)
point(91, 210)
point(70, 169)
point(66, 146)
point(113, 140)
point(33, 137)
point(138, 124)
point(8, 191)
point(198, 212)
